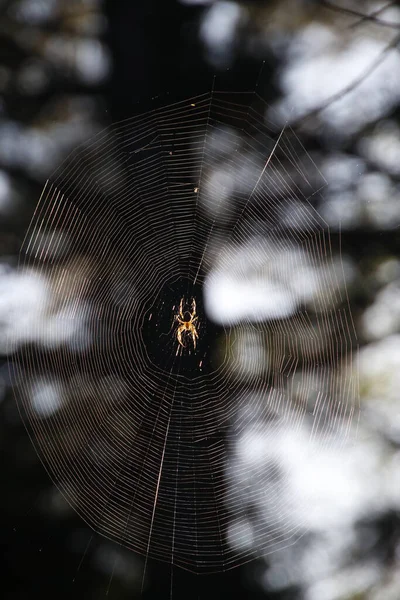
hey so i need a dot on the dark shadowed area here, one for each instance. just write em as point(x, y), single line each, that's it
point(256, 171)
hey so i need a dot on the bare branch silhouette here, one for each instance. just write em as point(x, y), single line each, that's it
point(374, 14)
point(362, 16)
point(351, 86)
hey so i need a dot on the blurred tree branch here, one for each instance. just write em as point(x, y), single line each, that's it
point(351, 86)
point(362, 16)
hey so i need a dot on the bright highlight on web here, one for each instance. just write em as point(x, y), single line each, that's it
point(202, 328)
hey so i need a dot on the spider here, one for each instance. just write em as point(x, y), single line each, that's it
point(188, 326)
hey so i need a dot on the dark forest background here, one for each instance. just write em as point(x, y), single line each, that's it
point(68, 69)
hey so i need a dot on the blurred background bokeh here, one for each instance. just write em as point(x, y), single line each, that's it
point(331, 71)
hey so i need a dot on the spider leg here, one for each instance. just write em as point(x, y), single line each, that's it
point(179, 336)
point(193, 308)
point(181, 309)
point(194, 337)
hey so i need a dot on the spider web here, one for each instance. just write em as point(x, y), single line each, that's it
point(202, 199)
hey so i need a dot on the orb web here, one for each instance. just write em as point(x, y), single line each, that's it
point(203, 200)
